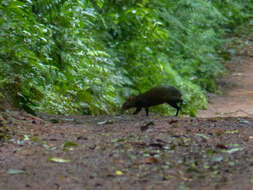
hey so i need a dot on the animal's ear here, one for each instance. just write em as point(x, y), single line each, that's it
point(130, 97)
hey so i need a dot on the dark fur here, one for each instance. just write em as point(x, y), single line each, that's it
point(155, 96)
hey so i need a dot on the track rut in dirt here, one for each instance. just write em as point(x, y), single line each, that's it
point(237, 97)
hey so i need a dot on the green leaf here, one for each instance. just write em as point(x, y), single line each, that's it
point(26, 138)
point(15, 171)
point(69, 145)
point(232, 131)
point(105, 122)
point(58, 160)
point(233, 150)
point(203, 136)
point(35, 139)
point(118, 172)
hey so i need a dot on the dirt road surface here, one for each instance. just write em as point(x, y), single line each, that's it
point(237, 87)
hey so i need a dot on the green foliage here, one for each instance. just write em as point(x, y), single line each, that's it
point(236, 12)
point(68, 56)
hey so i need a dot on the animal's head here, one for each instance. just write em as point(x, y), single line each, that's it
point(129, 103)
point(180, 100)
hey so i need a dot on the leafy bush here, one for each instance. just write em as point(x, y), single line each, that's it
point(69, 56)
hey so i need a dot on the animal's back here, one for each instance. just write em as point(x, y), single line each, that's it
point(159, 95)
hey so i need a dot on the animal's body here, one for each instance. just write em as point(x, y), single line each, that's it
point(155, 96)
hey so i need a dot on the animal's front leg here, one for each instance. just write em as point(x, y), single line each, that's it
point(138, 109)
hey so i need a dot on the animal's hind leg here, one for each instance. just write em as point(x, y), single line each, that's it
point(146, 109)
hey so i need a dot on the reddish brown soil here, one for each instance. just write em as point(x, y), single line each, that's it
point(129, 152)
point(237, 87)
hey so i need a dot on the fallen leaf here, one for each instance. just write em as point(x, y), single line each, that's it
point(58, 160)
point(173, 121)
point(15, 171)
point(146, 126)
point(118, 140)
point(118, 172)
point(35, 139)
point(54, 120)
point(221, 146)
point(69, 145)
point(46, 146)
point(233, 150)
point(26, 138)
point(158, 145)
point(232, 131)
point(82, 138)
point(202, 135)
point(150, 160)
point(105, 122)
point(217, 158)
point(193, 169)
point(243, 121)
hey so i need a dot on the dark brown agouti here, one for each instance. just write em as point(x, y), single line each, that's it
point(155, 96)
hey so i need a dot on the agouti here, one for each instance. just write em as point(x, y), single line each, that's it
point(155, 96)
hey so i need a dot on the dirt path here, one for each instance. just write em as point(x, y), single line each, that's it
point(126, 152)
point(237, 98)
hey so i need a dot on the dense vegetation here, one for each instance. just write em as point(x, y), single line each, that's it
point(85, 56)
